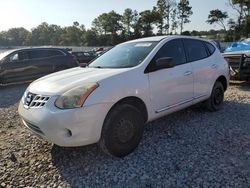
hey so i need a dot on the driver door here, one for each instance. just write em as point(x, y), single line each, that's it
point(171, 88)
point(16, 67)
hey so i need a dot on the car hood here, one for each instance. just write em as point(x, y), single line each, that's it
point(59, 82)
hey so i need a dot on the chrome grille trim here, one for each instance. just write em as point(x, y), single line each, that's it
point(32, 100)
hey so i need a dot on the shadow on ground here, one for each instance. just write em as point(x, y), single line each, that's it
point(192, 147)
point(243, 85)
point(10, 95)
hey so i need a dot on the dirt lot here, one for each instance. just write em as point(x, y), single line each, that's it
point(190, 148)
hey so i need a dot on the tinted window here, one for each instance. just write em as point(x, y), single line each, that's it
point(210, 48)
point(19, 56)
point(195, 49)
point(78, 54)
point(37, 54)
point(174, 49)
point(55, 53)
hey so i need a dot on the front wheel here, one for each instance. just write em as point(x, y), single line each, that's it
point(122, 130)
point(215, 102)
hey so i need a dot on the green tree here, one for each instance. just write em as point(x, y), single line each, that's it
point(174, 21)
point(218, 17)
point(184, 11)
point(146, 20)
point(73, 35)
point(164, 9)
point(17, 36)
point(136, 26)
point(91, 38)
point(161, 9)
point(242, 7)
point(127, 20)
point(41, 35)
point(107, 23)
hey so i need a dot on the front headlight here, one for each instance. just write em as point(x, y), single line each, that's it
point(24, 96)
point(75, 97)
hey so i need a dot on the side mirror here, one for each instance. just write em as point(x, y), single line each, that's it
point(164, 63)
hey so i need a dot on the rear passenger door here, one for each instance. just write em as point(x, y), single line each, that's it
point(199, 55)
point(40, 59)
point(172, 88)
point(58, 60)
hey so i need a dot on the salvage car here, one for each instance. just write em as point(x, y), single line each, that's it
point(135, 82)
point(32, 63)
point(238, 58)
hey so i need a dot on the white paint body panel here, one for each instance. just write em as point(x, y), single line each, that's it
point(158, 90)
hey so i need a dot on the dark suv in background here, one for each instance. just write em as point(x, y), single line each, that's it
point(32, 63)
point(84, 58)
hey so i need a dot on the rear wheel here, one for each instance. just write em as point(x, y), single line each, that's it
point(122, 130)
point(215, 102)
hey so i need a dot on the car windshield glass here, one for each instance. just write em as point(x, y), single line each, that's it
point(4, 54)
point(124, 55)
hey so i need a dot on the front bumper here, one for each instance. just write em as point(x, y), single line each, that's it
point(69, 128)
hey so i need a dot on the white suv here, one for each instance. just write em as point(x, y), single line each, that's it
point(135, 82)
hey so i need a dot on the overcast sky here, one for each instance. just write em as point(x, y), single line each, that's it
point(30, 13)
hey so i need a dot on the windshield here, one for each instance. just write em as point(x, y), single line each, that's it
point(4, 54)
point(124, 55)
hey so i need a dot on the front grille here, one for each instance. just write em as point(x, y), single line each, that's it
point(32, 100)
point(33, 127)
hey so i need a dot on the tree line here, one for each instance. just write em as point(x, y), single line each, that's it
point(166, 17)
point(234, 28)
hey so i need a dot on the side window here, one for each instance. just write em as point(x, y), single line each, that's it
point(55, 53)
point(195, 50)
point(14, 57)
point(174, 49)
point(210, 47)
point(37, 54)
point(79, 54)
point(86, 54)
point(18, 56)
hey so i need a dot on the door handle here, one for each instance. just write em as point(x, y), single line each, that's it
point(188, 73)
point(214, 66)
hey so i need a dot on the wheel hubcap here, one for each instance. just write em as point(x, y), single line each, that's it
point(125, 131)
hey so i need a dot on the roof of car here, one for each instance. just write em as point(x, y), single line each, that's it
point(41, 48)
point(159, 38)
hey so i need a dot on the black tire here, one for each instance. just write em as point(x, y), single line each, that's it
point(215, 102)
point(122, 130)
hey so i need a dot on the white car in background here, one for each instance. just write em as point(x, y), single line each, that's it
point(136, 82)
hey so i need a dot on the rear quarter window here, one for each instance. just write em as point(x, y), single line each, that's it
point(195, 50)
point(55, 53)
point(210, 47)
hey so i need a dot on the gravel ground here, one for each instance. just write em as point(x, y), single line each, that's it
point(191, 148)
